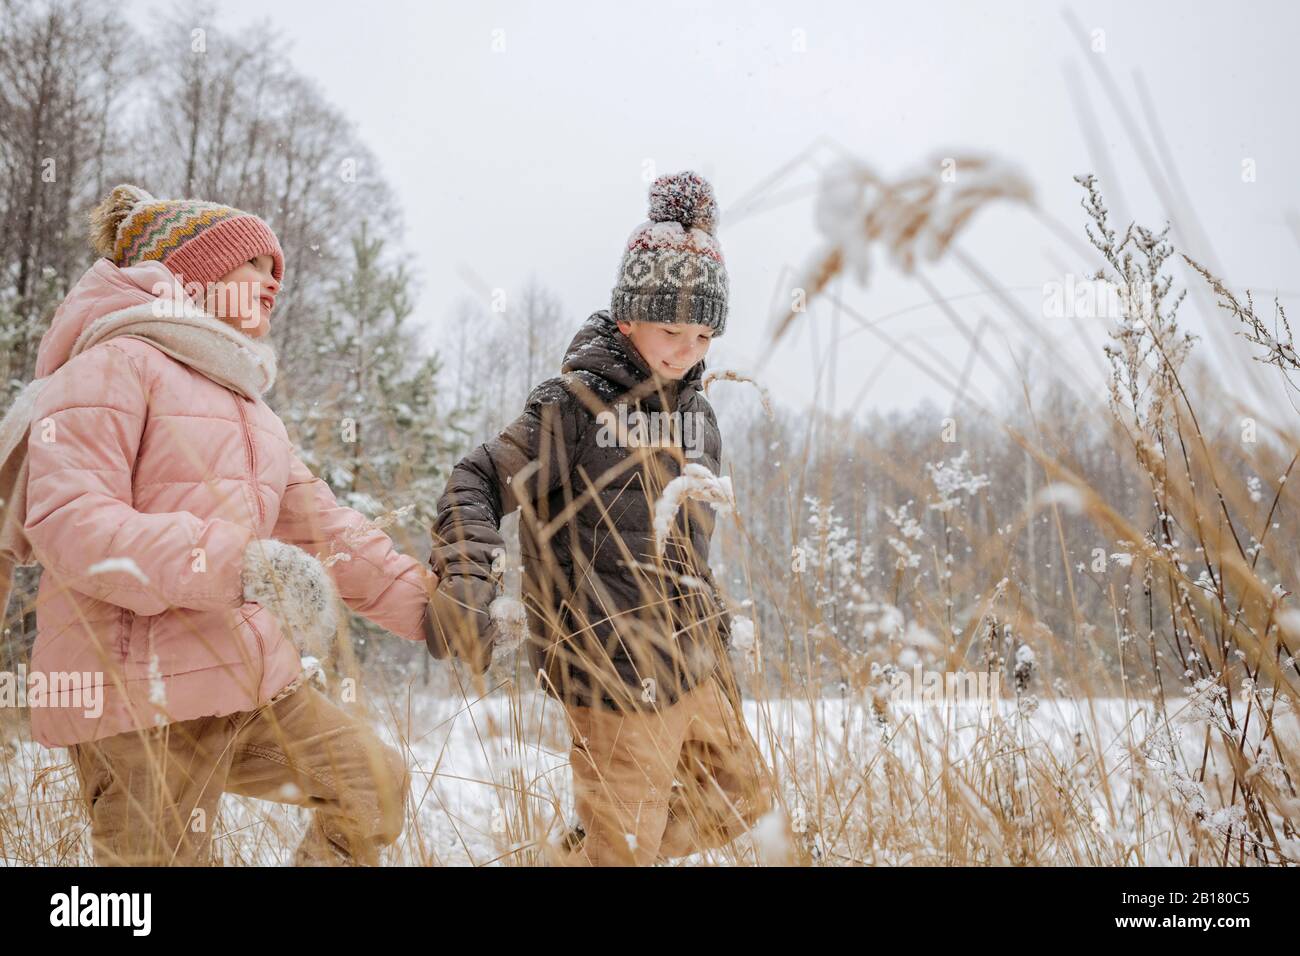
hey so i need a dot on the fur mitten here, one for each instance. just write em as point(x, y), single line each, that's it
point(296, 588)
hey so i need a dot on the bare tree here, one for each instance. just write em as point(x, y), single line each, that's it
point(61, 73)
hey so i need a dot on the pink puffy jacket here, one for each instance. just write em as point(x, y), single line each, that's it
point(154, 462)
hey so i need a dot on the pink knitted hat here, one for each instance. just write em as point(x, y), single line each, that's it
point(198, 241)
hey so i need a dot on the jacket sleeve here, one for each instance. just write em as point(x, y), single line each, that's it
point(86, 429)
point(374, 579)
point(527, 461)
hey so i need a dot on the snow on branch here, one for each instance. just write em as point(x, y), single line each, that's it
point(728, 375)
point(914, 217)
point(696, 482)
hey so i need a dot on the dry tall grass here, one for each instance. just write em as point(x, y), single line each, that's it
point(1161, 734)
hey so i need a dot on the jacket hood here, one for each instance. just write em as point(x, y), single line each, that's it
point(601, 349)
point(103, 289)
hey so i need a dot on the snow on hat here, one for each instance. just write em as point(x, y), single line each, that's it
point(672, 268)
point(198, 241)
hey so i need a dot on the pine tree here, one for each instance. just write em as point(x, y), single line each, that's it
point(381, 437)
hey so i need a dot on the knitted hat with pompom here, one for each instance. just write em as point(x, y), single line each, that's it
point(200, 242)
point(672, 268)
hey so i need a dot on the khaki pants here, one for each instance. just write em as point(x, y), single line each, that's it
point(153, 795)
point(664, 783)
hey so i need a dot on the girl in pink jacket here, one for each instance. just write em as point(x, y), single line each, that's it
point(183, 544)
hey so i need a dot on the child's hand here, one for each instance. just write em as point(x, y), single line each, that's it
point(458, 622)
point(431, 581)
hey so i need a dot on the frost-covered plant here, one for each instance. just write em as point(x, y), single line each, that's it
point(952, 479)
point(909, 531)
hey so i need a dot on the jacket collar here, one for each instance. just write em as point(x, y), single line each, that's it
point(601, 349)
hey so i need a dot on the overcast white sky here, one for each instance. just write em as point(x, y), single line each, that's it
point(529, 161)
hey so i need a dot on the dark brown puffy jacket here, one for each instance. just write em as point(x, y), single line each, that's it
point(609, 619)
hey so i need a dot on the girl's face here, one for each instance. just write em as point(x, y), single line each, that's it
point(245, 296)
point(669, 349)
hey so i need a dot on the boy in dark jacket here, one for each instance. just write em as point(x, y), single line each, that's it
point(626, 627)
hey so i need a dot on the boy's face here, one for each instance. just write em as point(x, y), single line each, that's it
point(669, 349)
point(244, 297)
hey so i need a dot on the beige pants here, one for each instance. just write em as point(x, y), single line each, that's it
point(153, 795)
point(664, 783)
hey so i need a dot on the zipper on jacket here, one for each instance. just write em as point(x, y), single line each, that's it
point(261, 519)
point(252, 459)
point(124, 641)
point(261, 644)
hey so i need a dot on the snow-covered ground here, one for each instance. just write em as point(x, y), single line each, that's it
point(490, 778)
